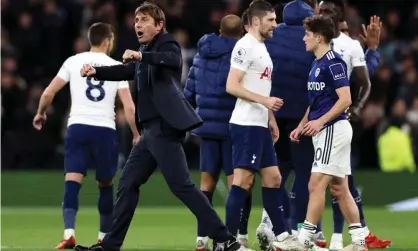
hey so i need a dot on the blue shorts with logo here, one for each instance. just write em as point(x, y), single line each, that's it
point(252, 147)
point(89, 146)
point(216, 155)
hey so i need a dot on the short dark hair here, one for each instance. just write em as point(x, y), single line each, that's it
point(259, 8)
point(340, 4)
point(245, 21)
point(98, 32)
point(244, 17)
point(154, 11)
point(320, 25)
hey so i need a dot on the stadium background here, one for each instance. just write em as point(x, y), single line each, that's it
point(37, 36)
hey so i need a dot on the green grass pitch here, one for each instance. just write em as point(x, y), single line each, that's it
point(164, 229)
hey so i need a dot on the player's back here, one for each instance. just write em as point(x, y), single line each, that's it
point(92, 101)
point(350, 51)
point(251, 56)
point(328, 74)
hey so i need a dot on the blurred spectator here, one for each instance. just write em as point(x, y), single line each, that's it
point(187, 53)
point(395, 144)
point(80, 45)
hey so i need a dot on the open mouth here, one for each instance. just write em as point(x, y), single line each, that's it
point(139, 34)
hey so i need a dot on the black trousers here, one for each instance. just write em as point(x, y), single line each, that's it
point(160, 145)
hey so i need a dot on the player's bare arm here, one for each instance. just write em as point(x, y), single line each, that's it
point(297, 132)
point(344, 101)
point(364, 85)
point(111, 73)
point(46, 99)
point(235, 88)
point(274, 129)
point(129, 110)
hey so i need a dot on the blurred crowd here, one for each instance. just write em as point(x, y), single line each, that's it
point(38, 35)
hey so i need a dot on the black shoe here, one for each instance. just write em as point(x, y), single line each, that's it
point(231, 245)
point(95, 247)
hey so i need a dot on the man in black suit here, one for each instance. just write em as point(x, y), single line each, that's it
point(164, 115)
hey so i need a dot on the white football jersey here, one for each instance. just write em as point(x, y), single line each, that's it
point(92, 101)
point(350, 51)
point(251, 56)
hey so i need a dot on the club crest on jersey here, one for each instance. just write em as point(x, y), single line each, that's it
point(317, 72)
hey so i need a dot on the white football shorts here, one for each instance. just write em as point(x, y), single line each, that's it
point(333, 149)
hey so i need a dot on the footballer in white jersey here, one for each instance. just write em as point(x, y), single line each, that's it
point(350, 51)
point(92, 101)
point(251, 56)
point(91, 138)
point(253, 128)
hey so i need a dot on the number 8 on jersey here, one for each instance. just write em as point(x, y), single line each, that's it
point(95, 92)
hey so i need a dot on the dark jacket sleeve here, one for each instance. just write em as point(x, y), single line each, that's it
point(168, 54)
point(372, 61)
point(189, 90)
point(116, 72)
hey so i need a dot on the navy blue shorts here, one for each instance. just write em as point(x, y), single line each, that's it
point(252, 147)
point(91, 147)
point(215, 154)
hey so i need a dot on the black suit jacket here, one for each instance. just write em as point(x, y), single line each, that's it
point(164, 76)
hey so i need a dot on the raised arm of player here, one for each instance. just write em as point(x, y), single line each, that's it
point(371, 38)
point(129, 109)
point(240, 62)
point(110, 73)
point(49, 93)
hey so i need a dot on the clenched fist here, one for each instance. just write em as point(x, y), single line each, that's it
point(273, 103)
point(131, 55)
point(87, 71)
point(38, 121)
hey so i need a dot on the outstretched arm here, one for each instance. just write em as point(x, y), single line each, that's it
point(115, 72)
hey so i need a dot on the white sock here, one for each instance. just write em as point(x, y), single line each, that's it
point(242, 236)
point(295, 232)
point(306, 234)
point(366, 231)
point(357, 234)
point(205, 239)
point(337, 237)
point(282, 236)
point(265, 219)
point(68, 233)
point(101, 235)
